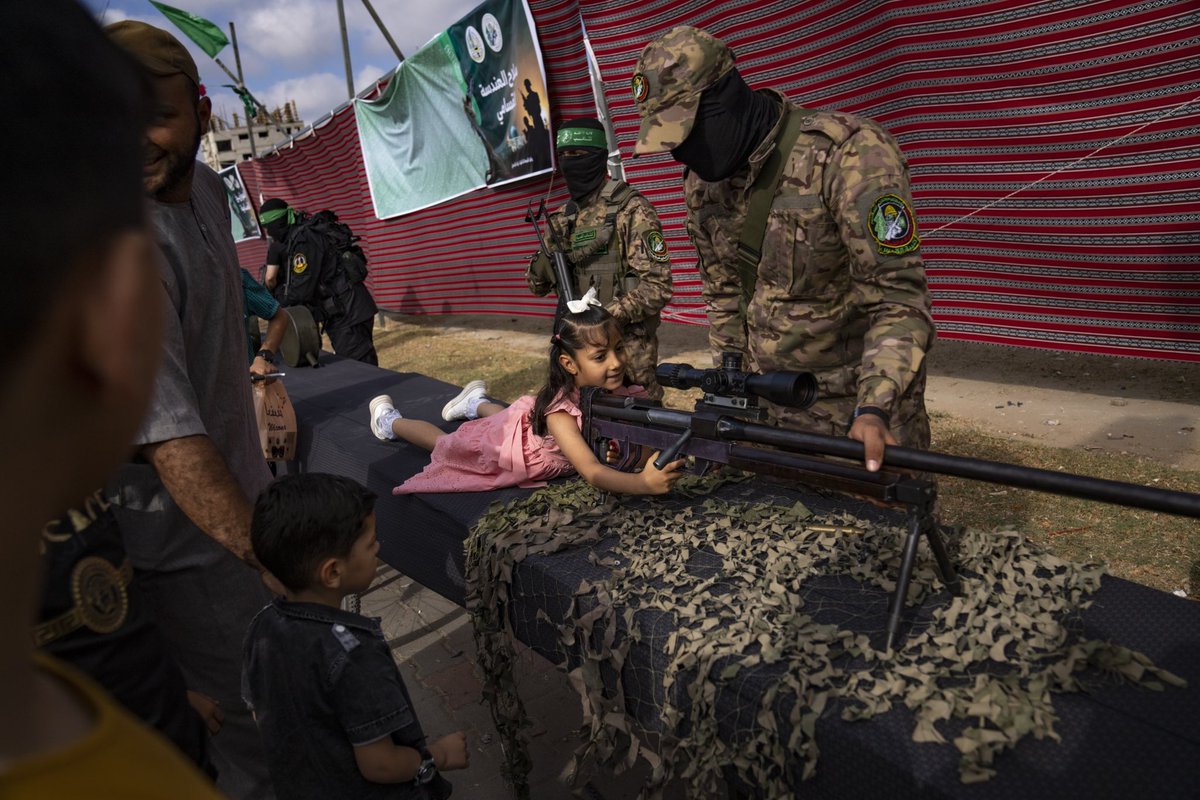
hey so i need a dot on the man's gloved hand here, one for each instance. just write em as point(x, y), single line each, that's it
point(540, 274)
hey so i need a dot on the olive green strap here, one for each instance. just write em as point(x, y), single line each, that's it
point(616, 193)
point(762, 194)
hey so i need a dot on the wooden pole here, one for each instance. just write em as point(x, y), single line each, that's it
point(383, 29)
point(341, 9)
point(237, 60)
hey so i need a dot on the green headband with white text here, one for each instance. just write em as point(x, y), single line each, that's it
point(267, 217)
point(580, 137)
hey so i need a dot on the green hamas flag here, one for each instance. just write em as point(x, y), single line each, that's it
point(205, 34)
point(247, 99)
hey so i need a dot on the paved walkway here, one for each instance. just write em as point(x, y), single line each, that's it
point(432, 642)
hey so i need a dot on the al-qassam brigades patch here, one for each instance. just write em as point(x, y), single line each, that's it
point(299, 263)
point(893, 226)
point(656, 246)
point(99, 592)
point(640, 87)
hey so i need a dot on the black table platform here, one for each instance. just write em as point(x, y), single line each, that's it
point(1117, 741)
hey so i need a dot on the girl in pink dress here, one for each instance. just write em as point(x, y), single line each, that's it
point(536, 438)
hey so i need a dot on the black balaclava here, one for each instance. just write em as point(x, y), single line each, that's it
point(731, 122)
point(584, 174)
point(278, 229)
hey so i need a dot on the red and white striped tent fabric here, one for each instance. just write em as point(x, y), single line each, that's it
point(1054, 147)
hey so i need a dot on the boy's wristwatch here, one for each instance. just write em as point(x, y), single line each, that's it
point(427, 770)
point(266, 355)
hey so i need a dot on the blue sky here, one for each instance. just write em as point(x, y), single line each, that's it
point(291, 49)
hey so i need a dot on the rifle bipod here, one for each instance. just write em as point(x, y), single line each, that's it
point(919, 496)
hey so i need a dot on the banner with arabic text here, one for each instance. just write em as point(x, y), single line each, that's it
point(467, 110)
point(242, 221)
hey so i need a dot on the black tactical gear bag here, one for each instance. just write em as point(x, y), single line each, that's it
point(350, 257)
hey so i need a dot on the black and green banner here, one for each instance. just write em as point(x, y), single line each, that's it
point(502, 72)
point(242, 222)
point(467, 110)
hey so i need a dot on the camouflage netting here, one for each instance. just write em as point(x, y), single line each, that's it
point(777, 592)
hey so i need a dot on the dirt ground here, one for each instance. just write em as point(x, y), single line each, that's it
point(1127, 406)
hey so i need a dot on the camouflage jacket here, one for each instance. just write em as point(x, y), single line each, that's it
point(637, 238)
point(841, 285)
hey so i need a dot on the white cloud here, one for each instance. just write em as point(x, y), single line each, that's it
point(412, 23)
point(107, 16)
point(299, 34)
point(367, 76)
point(291, 49)
point(315, 95)
point(225, 104)
point(303, 35)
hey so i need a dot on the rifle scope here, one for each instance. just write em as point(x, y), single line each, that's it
point(793, 389)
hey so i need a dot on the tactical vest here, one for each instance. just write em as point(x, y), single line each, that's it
point(595, 258)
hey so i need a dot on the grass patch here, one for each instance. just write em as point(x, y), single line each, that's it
point(458, 358)
point(1159, 550)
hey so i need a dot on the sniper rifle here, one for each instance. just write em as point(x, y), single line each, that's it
point(726, 429)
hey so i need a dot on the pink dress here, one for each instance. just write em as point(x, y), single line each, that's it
point(494, 453)
point(499, 451)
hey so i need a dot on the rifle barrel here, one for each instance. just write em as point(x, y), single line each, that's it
point(1063, 483)
point(562, 274)
point(732, 429)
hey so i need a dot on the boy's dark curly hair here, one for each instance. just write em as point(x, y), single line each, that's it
point(301, 520)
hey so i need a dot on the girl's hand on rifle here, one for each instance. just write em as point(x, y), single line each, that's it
point(659, 481)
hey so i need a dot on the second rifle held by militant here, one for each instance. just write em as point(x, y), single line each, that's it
point(564, 282)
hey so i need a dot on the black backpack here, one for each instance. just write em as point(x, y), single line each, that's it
point(350, 257)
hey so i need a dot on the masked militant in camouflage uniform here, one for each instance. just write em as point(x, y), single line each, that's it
point(839, 289)
point(614, 242)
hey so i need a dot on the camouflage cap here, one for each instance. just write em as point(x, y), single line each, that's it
point(157, 50)
point(671, 73)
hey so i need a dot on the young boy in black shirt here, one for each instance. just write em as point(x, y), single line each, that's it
point(330, 704)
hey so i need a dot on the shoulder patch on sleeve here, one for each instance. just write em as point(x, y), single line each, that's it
point(892, 226)
point(345, 637)
point(299, 263)
point(656, 246)
point(832, 125)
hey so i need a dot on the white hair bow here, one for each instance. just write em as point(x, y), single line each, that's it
point(581, 305)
